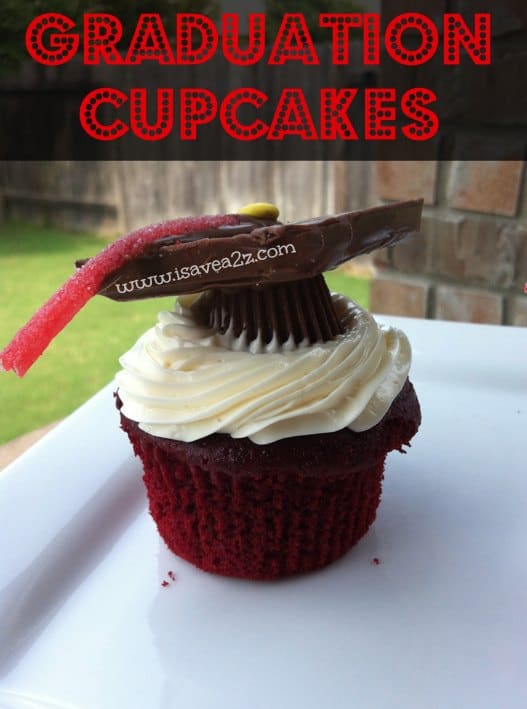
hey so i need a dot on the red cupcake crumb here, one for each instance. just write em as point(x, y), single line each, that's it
point(376, 561)
point(172, 575)
point(165, 584)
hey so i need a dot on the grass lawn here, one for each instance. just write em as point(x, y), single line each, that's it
point(34, 262)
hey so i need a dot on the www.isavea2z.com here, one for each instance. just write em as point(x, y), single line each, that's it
point(236, 259)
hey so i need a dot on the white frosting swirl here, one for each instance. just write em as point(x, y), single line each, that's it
point(183, 381)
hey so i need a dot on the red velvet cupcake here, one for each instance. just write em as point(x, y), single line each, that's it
point(264, 408)
point(263, 411)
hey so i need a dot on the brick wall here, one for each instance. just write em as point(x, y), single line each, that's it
point(470, 261)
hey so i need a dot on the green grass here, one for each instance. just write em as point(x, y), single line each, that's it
point(358, 289)
point(34, 262)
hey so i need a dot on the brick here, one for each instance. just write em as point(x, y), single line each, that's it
point(410, 179)
point(382, 258)
point(393, 295)
point(520, 233)
point(491, 187)
point(464, 305)
point(413, 254)
point(474, 251)
point(518, 311)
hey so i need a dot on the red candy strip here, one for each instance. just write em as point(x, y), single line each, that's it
point(32, 339)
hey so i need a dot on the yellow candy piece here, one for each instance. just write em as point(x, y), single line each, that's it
point(187, 300)
point(260, 210)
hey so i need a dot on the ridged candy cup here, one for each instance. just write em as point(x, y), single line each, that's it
point(235, 508)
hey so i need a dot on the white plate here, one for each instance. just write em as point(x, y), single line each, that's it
point(440, 622)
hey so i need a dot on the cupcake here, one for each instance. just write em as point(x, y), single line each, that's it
point(263, 406)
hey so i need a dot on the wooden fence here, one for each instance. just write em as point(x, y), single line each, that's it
point(113, 197)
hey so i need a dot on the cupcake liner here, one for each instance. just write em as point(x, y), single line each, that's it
point(255, 526)
point(236, 508)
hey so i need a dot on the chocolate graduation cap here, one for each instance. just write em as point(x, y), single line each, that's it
point(263, 277)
